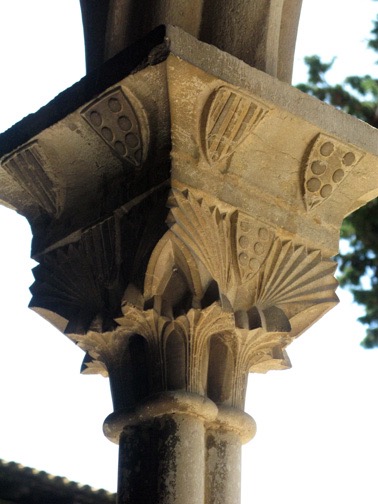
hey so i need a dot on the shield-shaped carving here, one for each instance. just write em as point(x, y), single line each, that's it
point(253, 242)
point(229, 118)
point(29, 168)
point(326, 166)
point(113, 117)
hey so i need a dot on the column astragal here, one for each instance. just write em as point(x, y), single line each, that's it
point(185, 211)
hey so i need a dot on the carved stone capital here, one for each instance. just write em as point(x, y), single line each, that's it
point(185, 210)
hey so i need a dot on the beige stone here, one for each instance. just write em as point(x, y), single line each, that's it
point(185, 214)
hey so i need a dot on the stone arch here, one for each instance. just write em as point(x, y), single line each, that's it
point(172, 278)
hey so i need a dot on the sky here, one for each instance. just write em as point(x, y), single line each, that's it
point(316, 435)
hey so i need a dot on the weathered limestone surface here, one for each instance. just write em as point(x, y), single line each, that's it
point(185, 209)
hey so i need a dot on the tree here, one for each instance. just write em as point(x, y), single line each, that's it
point(359, 264)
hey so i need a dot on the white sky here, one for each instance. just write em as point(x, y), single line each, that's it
point(317, 439)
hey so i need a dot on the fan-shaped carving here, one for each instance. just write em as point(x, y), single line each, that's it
point(293, 274)
point(80, 282)
point(206, 232)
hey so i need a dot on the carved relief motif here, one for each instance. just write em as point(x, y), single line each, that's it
point(253, 242)
point(293, 274)
point(248, 262)
point(27, 167)
point(326, 166)
point(206, 231)
point(173, 335)
point(114, 119)
point(198, 326)
point(80, 282)
point(229, 118)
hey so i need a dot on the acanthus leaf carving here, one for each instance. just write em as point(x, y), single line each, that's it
point(199, 326)
point(80, 281)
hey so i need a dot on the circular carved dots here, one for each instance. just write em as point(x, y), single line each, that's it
point(327, 148)
point(244, 226)
point(243, 258)
point(120, 148)
point(258, 248)
point(124, 123)
point(313, 185)
point(132, 140)
point(243, 242)
point(326, 191)
point(114, 105)
point(254, 265)
point(263, 234)
point(107, 134)
point(95, 118)
point(338, 175)
point(318, 167)
point(349, 159)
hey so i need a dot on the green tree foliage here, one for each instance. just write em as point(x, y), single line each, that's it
point(359, 264)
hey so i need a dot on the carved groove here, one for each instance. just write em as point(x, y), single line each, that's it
point(80, 282)
point(292, 274)
point(230, 118)
point(207, 233)
point(27, 168)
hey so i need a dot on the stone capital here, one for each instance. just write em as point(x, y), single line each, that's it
point(185, 209)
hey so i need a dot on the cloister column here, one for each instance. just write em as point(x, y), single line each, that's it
point(185, 210)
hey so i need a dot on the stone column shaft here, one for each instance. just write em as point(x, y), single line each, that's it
point(161, 461)
point(185, 209)
point(223, 467)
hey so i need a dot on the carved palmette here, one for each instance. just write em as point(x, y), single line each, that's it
point(240, 252)
point(80, 281)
